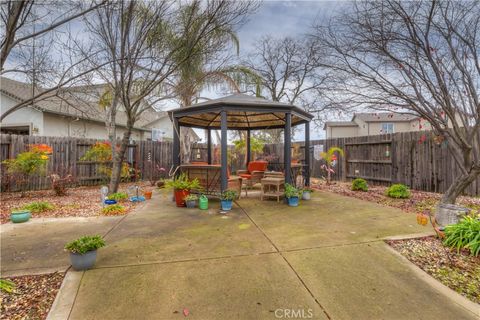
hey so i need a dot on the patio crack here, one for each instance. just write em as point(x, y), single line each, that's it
point(286, 261)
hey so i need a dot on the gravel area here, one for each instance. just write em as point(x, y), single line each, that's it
point(33, 296)
point(458, 271)
point(79, 202)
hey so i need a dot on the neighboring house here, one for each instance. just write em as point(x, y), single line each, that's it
point(368, 124)
point(74, 112)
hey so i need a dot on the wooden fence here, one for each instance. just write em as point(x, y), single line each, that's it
point(416, 159)
point(143, 157)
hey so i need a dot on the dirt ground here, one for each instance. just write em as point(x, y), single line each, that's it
point(79, 202)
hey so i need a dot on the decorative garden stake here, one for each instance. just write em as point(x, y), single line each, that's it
point(103, 194)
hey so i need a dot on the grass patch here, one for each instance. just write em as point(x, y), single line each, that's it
point(113, 210)
point(38, 206)
point(118, 196)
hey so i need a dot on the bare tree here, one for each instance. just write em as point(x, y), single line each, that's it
point(420, 57)
point(18, 18)
point(290, 71)
point(35, 46)
point(141, 69)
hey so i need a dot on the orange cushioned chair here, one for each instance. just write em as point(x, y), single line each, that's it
point(254, 173)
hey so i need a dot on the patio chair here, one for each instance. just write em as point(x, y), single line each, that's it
point(254, 173)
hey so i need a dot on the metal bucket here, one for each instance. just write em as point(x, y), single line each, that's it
point(449, 214)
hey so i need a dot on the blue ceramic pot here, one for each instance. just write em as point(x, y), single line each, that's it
point(20, 216)
point(293, 201)
point(83, 261)
point(110, 201)
point(226, 205)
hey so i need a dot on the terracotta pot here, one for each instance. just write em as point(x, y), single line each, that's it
point(148, 195)
point(180, 197)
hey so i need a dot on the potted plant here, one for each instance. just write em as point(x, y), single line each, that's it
point(83, 251)
point(306, 193)
point(191, 200)
point(181, 187)
point(292, 194)
point(147, 194)
point(19, 216)
point(227, 199)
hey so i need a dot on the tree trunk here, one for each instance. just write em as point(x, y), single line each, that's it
point(459, 185)
point(118, 160)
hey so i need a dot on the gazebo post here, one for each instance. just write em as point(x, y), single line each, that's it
point(306, 171)
point(249, 155)
point(287, 156)
point(209, 146)
point(176, 145)
point(224, 183)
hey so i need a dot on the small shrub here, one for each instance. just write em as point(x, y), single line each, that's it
point(38, 206)
point(398, 191)
point(229, 195)
point(60, 185)
point(191, 197)
point(118, 196)
point(359, 184)
point(84, 244)
point(181, 182)
point(113, 210)
point(464, 235)
point(291, 191)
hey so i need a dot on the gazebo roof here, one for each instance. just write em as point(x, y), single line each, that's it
point(244, 112)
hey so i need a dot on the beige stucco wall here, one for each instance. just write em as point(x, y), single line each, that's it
point(59, 126)
point(375, 128)
point(23, 116)
point(341, 132)
point(163, 124)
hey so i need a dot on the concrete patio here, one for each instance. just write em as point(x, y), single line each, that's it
point(323, 260)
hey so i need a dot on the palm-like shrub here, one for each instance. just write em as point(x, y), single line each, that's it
point(464, 235)
point(329, 157)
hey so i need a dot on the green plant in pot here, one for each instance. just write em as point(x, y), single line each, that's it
point(181, 187)
point(191, 200)
point(292, 194)
point(306, 193)
point(227, 199)
point(83, 251)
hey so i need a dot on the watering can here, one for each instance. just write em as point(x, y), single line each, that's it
point(203, 202)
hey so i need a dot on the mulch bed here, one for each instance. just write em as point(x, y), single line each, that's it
point(458, 271)
point(79, 202)
point(418, 202)
point(33, 296)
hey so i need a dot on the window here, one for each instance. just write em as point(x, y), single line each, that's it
point(387, 128)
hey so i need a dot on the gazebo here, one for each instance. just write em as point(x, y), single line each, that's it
point(242, 112)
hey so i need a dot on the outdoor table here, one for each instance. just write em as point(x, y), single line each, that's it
point(273, 187)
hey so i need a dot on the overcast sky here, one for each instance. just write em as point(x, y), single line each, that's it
point(285, 18)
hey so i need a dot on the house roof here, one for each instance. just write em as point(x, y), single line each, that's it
point(339, 124)
point(244, 112)
point(372, 117)
point(80, 102)
point(384, 116)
